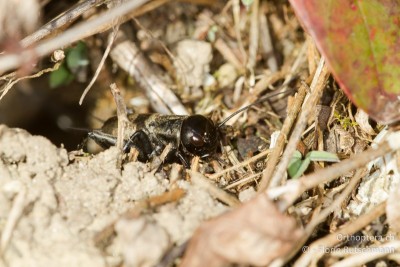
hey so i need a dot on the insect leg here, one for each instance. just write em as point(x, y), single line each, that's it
point(103, 139)
point(142, 143)
point(183, 159)
point(83, 144)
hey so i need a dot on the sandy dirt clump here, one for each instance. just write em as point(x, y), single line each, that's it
point(53, 206)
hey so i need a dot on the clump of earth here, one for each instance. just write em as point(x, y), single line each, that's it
point(57, 209)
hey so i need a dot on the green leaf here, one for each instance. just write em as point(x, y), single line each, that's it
point(360, 41)
point(297, 155)
point(77, 57)
point(302, 168)
point(294, 163)
point(294, 166)
point(322, 156)
point(61, 76)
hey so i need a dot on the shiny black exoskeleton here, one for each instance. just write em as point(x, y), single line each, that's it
point(194, 135)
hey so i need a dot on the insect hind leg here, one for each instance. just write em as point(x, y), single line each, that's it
point(142, 143)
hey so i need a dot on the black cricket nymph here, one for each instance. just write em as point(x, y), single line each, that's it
point(194, 135)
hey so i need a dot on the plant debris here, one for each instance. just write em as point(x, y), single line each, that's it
point(301, 177)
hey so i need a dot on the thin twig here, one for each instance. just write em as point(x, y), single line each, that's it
point(315, 251)
point(228, 55)
point(12, 82)
point(236, 19)
point(66, 17)
point(336, 203)
point(162, 99)
point(122, 121)
point(243, 181)
point(267, 47)
point(242, 164)
point(158, 161)
point(259, 87)
point(121, 113)
point(294, 67)
point(294, 188)
point(215, 191)
point(153, 37)
point(316, 220)
point(374, 253)
point(101, 64)
point(280, 143)
point(102, 23)
point(317, 86)
point(254, 35)
point(140, 206)
point(312, 54)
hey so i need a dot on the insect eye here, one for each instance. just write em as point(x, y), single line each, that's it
point(197, 141)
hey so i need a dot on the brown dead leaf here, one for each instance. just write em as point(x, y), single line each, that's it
point(255, 233)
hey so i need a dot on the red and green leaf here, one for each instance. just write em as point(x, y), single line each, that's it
point(360, 40)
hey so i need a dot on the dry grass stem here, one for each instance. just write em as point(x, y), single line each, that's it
point(228, 54)
point(122, 121)
point(101, 64)
point(63, 19)
point(236, 19)
point(332, 239)
point(243, 181)
point(254, 35)
point(12, 81)
point(288, 124)
point(374, 253)
point(294, 188)
point(317, 86)
point(163, 100)
point(259, 88)
point(324, 213)
point(227, 175)
point(240, 165)
point(319, 218)
point(81, 31)
point(199, 180)
point(281, 140)
point(266, 40)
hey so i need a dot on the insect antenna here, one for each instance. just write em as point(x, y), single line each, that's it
point(86, 130)
point(262, 99)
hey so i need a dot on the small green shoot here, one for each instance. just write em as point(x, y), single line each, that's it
point(61, 76)
point(76, 57)
point(345, 122)
point(297, 165)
